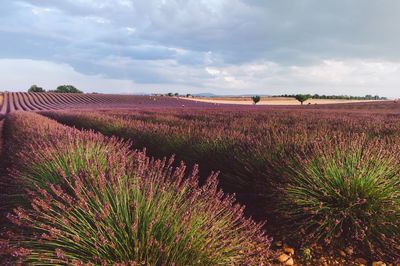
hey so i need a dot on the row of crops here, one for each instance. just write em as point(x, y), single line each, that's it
point(316, 176)
point(81, 198)
point(22, 101)
point(100, 187)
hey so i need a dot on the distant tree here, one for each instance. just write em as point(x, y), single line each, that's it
point(176, 94)
point(302, 97)
point(67, 89)
point(188, 95)
point(170, 94)
point(340, 97)
point(256, 99)
point(368, 97)
point(35, 88)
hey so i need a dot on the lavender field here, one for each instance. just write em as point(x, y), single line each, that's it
point(96, 179)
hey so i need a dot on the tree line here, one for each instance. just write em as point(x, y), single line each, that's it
point(59, 89)
point(304, 97)
point(336, 97)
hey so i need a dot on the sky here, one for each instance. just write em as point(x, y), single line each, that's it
point(195, 46)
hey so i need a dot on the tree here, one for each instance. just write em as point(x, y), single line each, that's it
point(67, 89)
point(170, 94)
point(302, 97)
point(368, 97)
point(256, 99)
point(35, 88)
point(176, 94)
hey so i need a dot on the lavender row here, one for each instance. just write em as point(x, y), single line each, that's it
point(79, 197)
point(21, 101)
point(330, 176)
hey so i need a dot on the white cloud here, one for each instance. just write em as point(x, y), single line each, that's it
point(130, 30)
point(352, 77)
point(20, 74)
point(99, 20)
point(213, 71)
point(221, 46)
point(39, 11)
point(352, 74)
point(328, 77)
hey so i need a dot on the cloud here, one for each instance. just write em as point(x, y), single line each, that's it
point(258, 77)
point(255, 45)
point(343, 77)
point(20, 74)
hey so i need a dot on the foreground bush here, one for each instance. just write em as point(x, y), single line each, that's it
point(253, 151)
point(95, 201)
point(347, 193)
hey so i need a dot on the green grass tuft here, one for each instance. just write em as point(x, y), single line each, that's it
point(94, 200)
point(346, 193)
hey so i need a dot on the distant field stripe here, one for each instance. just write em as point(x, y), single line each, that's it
point(74, 99)
point(45, 99)
point(59, 99)
point(65, 97)
point(42, 99)
point(95, 98)
point(89, 98)
point(53, 100)
point(16, 101)
point(26, 106)
point(4, 107)
point(22, 102)
point(29, 103)
point(53, 97)
point(11, 102)
point(103, 99)
point(114, 99)
point(36, 101)
point(71, 98)
point(85, 99)
point(79, 98)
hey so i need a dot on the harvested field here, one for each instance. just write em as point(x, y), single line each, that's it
point(271, 100)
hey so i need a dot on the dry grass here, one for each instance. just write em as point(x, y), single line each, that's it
point(270, 100)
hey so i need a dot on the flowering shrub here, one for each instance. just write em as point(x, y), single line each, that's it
point(94, 200)
point(347, 193)
point(263, 153)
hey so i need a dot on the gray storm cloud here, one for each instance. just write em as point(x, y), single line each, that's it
point(219, 46)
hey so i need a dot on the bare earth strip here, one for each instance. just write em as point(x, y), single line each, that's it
point(271, 100)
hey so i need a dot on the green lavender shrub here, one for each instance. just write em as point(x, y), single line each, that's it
point(95, 200)
point(346, 192)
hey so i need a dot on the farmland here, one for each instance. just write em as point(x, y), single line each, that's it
point(108, 179)
point(270, 100)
